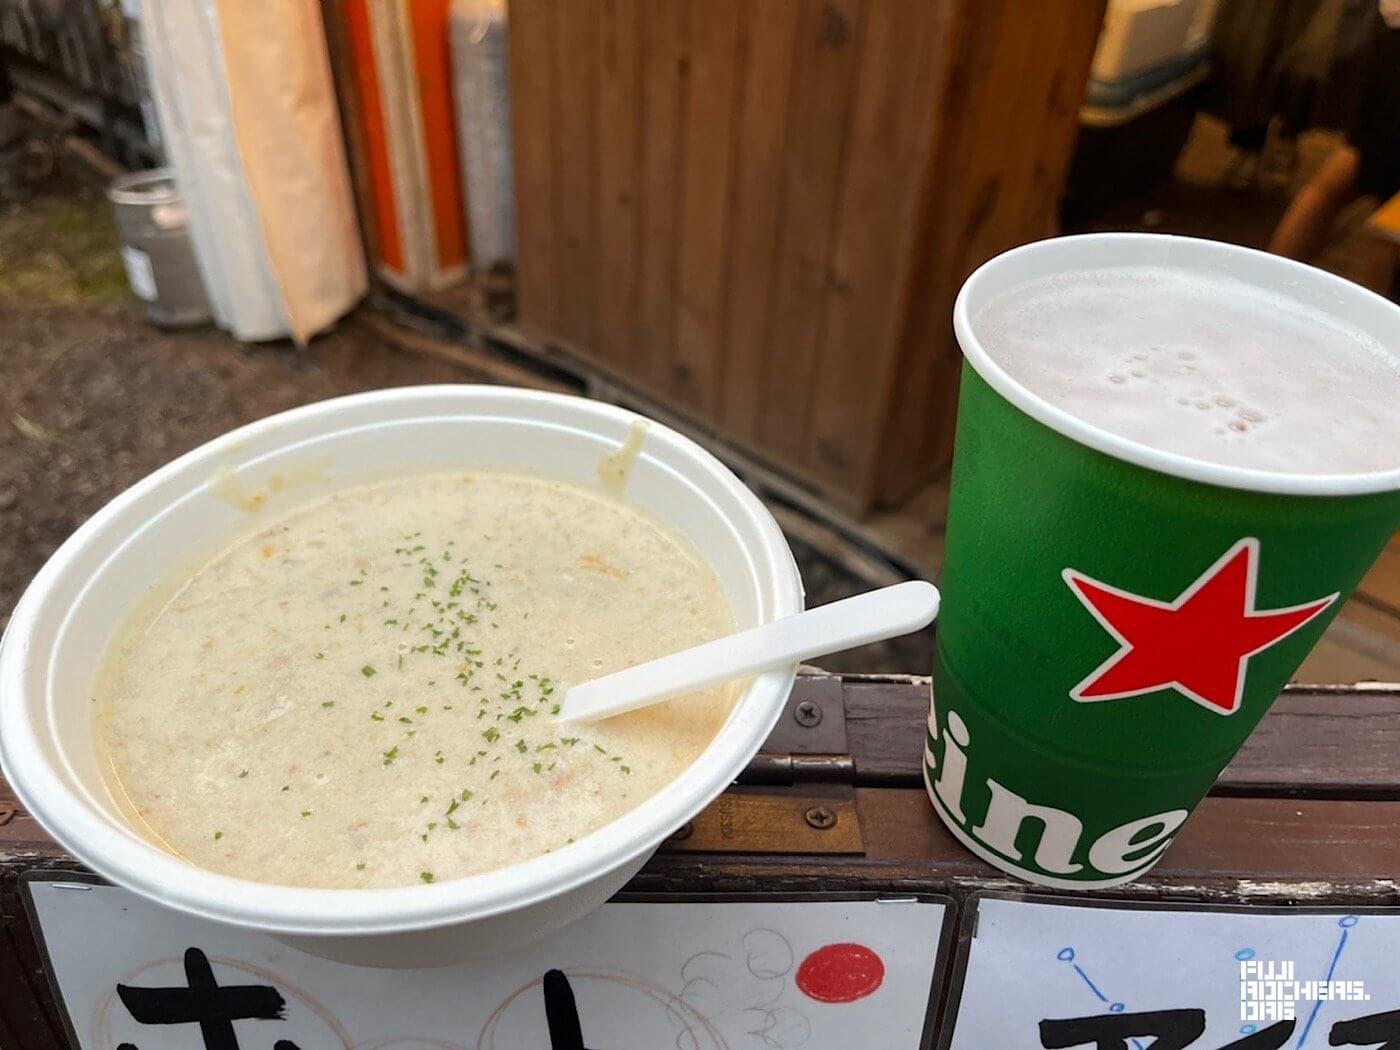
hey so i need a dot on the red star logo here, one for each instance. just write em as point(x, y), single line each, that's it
point(1198, 644)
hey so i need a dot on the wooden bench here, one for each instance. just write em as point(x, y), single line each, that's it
point(1307, 814)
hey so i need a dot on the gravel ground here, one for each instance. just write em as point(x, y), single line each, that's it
point(92, 398)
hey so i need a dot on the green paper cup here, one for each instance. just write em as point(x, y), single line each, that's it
point(1116, 618)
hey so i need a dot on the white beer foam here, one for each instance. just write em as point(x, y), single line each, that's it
point(1214, 369)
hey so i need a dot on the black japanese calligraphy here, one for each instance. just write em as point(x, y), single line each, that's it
point(206, 1004)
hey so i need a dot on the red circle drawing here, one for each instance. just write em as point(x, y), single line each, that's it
point(840, 973)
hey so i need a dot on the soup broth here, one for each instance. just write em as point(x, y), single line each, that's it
point(361, 693)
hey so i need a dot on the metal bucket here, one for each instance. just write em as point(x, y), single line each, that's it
point(156, 248)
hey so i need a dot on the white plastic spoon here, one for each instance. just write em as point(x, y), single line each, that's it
point(870, 617)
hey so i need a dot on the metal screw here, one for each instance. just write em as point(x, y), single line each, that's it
point(684, 832)
point(807, 714)
point(820, 818)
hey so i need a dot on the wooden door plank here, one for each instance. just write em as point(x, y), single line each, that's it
point(665, 87)
point(766, 83)
point(532, 129)
point(825, 70)
point(619, 111)
point(929, 360)
point(1059, 101)
point(1002, 72)
point(575, 123)
point(707, 172)
point(894, 117)
point(1035, 41)
point(979, 195)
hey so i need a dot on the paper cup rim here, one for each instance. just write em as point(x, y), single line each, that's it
point(118, 855)
point(1126, 249)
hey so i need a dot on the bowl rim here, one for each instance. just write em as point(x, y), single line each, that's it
point(126, 859)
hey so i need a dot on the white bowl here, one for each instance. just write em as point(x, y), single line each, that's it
point(169, 520)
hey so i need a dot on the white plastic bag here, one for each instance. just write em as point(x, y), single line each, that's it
point(249, 123)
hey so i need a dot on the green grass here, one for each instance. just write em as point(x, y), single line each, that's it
point(61, 250)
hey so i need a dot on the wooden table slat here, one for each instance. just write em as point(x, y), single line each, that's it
point(1325, 848)
point(1316, 742)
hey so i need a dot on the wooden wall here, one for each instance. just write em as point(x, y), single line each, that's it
point(759, 212)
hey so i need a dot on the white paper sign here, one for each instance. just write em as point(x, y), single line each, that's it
point(632, 976)
point(1043, 975)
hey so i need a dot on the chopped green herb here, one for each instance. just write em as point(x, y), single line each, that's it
point(491, 735)
point(452, 825)
point(406, 720)
point(356, 583)
point(494, 774)
point(453, 807)
point(359, 867)
point(423, 799)
point(466, 795)
point(426, 876)
point(320, 656)
point(242, 774)
point(368, 671)
point(537, 767)
point(218, 835)
point(625, 769)
point(286, 787)
point(375, 716)
point(306, 813)
point(327, 703)
point(421, 710)
point(438, 758)
point(342, 617)
point(521, 746)
point(391, 754)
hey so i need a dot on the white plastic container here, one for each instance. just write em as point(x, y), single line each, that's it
point(1139, 35)
point(182, 512)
